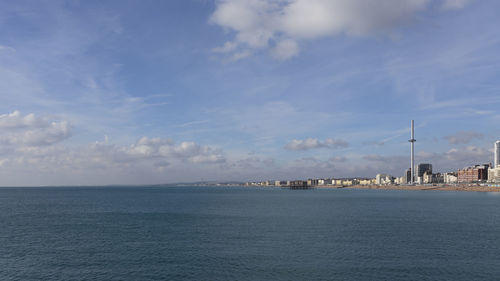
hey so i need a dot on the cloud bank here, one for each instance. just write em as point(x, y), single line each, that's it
point(30, 130)
point(158, 150)
point(36, 146)
point(281, 25)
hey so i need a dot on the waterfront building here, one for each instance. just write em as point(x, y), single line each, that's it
point(427, 177)
point(379, 178)
point(419, 180)
point(437, 178)
point(423, 168)
point(494, 175)
point(337, 182)
point(312, 182)
point(298, 184)
point(432, 178)
point(407, 176)
point(401, 180)
point(367, 181)
point(383, 179)
point(281, 183)
point(324, 182)
point(347, 182)
point(473, 174)
point(450, 178)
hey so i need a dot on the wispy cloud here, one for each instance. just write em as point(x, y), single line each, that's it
point(463, 137)
point(311, 143)
point(278, 118)
point(192, 123)
point(6, 49)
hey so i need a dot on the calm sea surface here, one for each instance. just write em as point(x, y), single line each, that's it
point(212, 233)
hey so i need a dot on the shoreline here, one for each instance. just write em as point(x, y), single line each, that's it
point(467, 188)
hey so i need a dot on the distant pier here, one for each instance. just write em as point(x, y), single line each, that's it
point(299, 184)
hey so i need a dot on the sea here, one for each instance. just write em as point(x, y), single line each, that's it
point(239, 233)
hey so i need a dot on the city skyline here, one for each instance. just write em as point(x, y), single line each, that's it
point(124, 92)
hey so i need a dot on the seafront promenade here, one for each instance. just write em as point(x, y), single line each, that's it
point(475, 188)
point(448, 187)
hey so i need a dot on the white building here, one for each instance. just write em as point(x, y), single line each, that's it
point(281, 183)
point(324, 181)
point(400, 180)
point(327, 182)
point(383, 179)
point(494, 175)
point(419, 180)
point(450, 178)
point(427, 178)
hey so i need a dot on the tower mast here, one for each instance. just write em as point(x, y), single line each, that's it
point(412, 154)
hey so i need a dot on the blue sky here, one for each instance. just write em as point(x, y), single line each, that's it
point(139, 92)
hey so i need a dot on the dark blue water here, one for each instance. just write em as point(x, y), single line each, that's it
point(153, 233)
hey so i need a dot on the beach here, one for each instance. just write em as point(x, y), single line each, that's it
point(470, 188)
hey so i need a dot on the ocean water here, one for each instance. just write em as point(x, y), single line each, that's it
point(221, 233)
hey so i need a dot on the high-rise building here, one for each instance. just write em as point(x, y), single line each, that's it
point(494, 175)
point(423, 168)
point(496, 164)
point(407, 175)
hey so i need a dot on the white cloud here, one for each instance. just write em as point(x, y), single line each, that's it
point(240, 55)
point(227, 47)
point(461, 157)
point(56, 132)
point(17, 120)
point(30, 130)
point(165, 150)
point(285, 49)
point(311, 143)
point(33, 145)
point(148, 160)
point(259, 24)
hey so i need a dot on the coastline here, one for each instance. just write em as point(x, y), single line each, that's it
point(468, 188)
